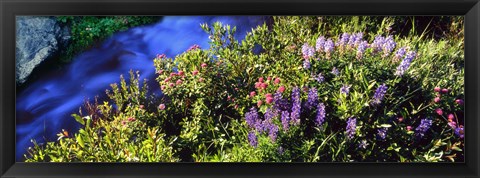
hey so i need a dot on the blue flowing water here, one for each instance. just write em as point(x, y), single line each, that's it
point(44, 108)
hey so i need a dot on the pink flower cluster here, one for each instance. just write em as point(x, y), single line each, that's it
point(261, 85)
point(452, 121)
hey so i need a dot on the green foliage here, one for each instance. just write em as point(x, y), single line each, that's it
point(121, 136)
point(202, 116)
point(86, 31)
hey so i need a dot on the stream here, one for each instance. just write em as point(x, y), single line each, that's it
point(45, 106)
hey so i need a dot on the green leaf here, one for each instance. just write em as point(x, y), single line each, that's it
point(386, 125)
point(80, 141)
point(456, 148)
point(78, 119)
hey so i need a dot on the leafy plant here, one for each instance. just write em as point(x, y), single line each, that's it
point(304, 89)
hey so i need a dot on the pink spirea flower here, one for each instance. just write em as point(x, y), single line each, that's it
point(260, 79)
point(124, 122)
point(263, 85)
point(161, 56)
point(195, 72)
point(268, 95)
point(171, 84)
point(131, 119)
point(193, 47)
point(203, 65)
point(160, 71)
point(276, 81)
point(269, 100)
point(452, 124)
point(439, 111)
point(181, 73)
point(444, 91)
point(201, 79)
point(141, 106)
point(257, 84)
point(437, 99)
point(459, 101)
point(163, 87)
point(167, 79)
point(161, 106)
point(179, 82)
point(437, 89)
point(259, 103)
point(173, 74)
point(252, 94)
point(451, 117)
point(281, 89)
point(400, 119)
point(409, 128)
point(269, 78)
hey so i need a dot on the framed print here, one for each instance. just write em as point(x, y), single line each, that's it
point(239, 89)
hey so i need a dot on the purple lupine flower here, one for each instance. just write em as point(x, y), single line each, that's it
point(400, 53)
point(281, 104)
point(320, 118)
point(343, 40)
point(425, 124)
point(351, 40)
point(251, 117)
point(276, 100)
point(329, 46)
point(307, 51)
point(411, 55)
point(388, 45)
point(312, 99)
point(260, 126)
point(402, 68)
point(351, 127)
point(272, 131)
point(363, 144)
point(252, 138)
point(319, 78)
point(358, 38)
point(379, 94)
point(306, 64)
point(295, 114)
point(361, 49)
point(460, 132)
point(269, 115)
point(335, 71)
point(345, 89)
point(377, 43)
point(319, 45)
point(382, 134)
point(285, 118)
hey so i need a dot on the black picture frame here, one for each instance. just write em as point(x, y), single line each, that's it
point(11, 8)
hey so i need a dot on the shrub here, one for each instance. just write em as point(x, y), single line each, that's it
point(296, 91)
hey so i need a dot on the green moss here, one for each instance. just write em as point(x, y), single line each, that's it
point(87, 31)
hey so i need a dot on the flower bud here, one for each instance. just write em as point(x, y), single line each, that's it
point(439, 111)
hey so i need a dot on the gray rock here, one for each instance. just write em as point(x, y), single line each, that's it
point(38, 38)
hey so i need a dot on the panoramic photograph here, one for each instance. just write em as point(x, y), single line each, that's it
point(267, 89)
